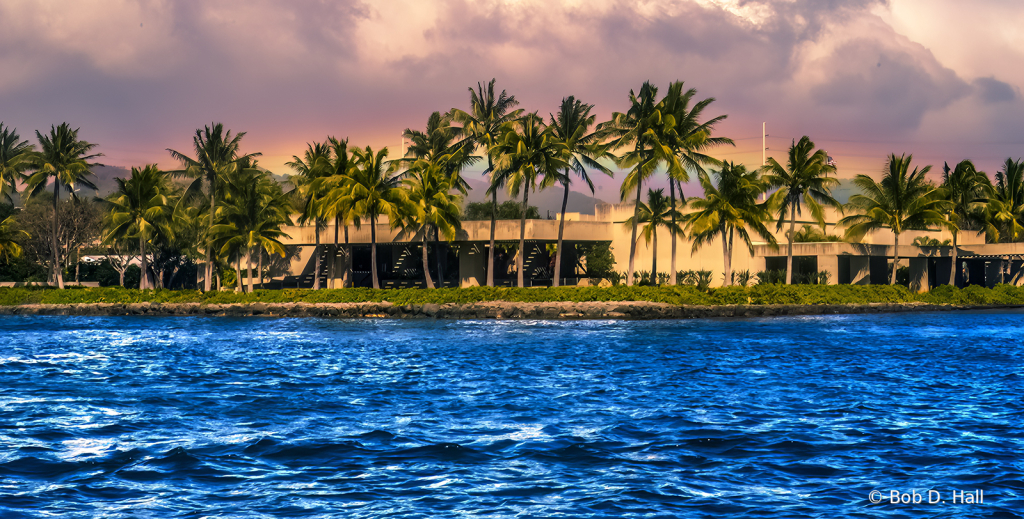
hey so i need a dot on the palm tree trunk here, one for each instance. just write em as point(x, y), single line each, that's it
point(121, 273)
point(672, 200)
point(632, 241)
point(334, 255)
point(248, 268)
point(144, 278)
point(346, 279)
point(58, 276)
point(557, 274)
point(426, 262)
point(789, 240)
point(952, 268)
point(654, 255)
point(212, 180)
point(238, 273)
point(260, 265)
point(438, 257)
point(373, 251)
point(726, 258)
point(316, 252)
point(895, 258)
point(520, 258)
point(494, 218)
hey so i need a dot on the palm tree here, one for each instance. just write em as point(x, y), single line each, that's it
point(904, 200)
point(315, 164)
point(337, 207)
point(804, 181)
point(15, 159)
point(217, 156)
point(441, 144)
point(488, 114)
point(729, 207)
point(138, 209)
point(571, 128)
point(657, 212)
point(966, 189)
point(10, 235)
point(1006, 206)
point(251, 217)
point(65, 159)
point(640, 128)
point(688, 138)
point(432, 207)
point(371, 189)
point(527, 158)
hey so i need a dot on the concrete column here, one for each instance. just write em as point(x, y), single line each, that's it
point(919, 275)
point(472, 265)
point(829, 264)
point(860, 270)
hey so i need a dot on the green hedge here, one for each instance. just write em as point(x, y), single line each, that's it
point(680, 295)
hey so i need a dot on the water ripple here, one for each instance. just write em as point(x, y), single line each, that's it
point(787, 417)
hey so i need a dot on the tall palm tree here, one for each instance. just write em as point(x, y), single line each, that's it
point(641, 128)
point(1006, 205)
point(217, 156)
point(967, 190)
point(250, 219)
point(432, 207)
point(571, 128)
point(903, 200)
point(488, 114)
point(315, 164)
point(10, 236)
point(371, 189)
point(729, 207)
point(441, 144)
point(657, 212)
point(65, 159)
point(527, 158)
point(804, 181)
point(138, 210)
point(15, 159)
point(689, 138)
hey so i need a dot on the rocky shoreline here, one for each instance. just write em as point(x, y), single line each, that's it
point(482, 310)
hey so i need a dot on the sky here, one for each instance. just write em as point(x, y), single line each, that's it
point(940, 79)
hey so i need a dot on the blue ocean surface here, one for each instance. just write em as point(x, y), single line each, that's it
point(254, 417)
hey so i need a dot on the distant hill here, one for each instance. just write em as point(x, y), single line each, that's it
point(546, 200)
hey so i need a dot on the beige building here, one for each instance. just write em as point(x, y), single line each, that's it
point(464, 261)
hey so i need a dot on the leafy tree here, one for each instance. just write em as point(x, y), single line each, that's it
point(657, 212)
point(571, 128)
point(64, 159)
point(251, 217)
point(15, 158)
point(315, 164)
point(335, 205)
point(432, 207)
point(10, 238)
point(371, 189)
point(1006, 205)
point(507, 210)
point(903, 200)
point(966, 190)
point(642, 128)
point(483, 124)
point(729, 207)
point(138, 210)
point(804, 181)
point(527, 158)
point(217, 157)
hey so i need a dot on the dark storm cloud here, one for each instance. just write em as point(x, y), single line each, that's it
point(992, 90)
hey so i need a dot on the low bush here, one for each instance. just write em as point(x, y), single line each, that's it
point(762, 294)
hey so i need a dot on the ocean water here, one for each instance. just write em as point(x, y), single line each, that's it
point(252, 417)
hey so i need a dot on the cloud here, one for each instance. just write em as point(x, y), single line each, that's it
point(140, 76)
